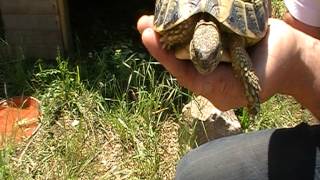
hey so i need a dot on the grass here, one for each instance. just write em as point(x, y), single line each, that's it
point(115, 114)
point(279, 111)
point(98, 121)
point(278, 8)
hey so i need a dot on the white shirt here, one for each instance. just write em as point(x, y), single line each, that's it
point(306, 11)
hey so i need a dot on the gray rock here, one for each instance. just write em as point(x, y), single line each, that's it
point(210, 123)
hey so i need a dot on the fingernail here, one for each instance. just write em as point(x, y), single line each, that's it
point(140, 22)
point(143, 21)
point(146, 31)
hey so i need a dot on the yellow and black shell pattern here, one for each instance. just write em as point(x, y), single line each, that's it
point(247, 18)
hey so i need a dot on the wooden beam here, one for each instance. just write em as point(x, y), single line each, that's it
point(37, 26)
point(34, 37)
point(63, 12)
point(30, 22)
point(36, 51)
point(28, 6)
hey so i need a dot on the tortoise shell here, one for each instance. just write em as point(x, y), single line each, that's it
point(247, 18)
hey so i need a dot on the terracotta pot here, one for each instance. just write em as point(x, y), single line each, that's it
point(19, 118)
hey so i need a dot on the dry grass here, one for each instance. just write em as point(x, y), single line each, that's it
point(168, 149)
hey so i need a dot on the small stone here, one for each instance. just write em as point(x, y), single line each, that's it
point(74, 123)
point(211, 123)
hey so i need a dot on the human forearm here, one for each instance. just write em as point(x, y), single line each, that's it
point(292, 65)
point(306, 80)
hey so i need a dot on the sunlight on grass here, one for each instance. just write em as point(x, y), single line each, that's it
point(111, 119)
point(278, 8)
point(109, 126)
point(280, 111)
point(115, 114)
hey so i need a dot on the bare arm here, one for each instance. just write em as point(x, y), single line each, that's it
point(307, 89)
point(291, 65)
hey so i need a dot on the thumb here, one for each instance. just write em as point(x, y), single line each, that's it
point(182, 70)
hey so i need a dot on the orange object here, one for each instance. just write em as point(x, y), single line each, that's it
point(19, 118)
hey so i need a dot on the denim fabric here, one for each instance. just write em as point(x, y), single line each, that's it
point(317, 167)
point(238, 157)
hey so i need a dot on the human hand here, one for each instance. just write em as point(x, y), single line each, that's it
point(273, 60)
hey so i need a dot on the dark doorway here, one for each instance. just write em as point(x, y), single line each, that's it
point(93, 23)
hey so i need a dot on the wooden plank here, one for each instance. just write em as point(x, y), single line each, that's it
point(64, 23)
point(47, 52)
point(36, 26)
point(29, 37)
point(28, 6)
point(30, 22)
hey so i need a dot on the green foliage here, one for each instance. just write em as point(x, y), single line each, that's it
point(280, 111)
point(14, 75)
point(244, 118)
point(278, 8)
point(5, 155)
point(117, 92)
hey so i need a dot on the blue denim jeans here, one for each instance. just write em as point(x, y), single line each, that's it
point(291, 153)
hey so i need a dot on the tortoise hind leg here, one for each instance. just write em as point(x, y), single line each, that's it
point(242, 66)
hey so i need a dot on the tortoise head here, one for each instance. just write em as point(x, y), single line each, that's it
point(205, 47)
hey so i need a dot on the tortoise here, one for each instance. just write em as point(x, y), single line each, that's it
point(211, 31)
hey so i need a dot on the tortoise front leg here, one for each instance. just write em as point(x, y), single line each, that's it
point(242, 66)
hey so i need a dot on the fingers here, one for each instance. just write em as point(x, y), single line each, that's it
point(182, 70)
point(151, 41)
point(145, 22)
